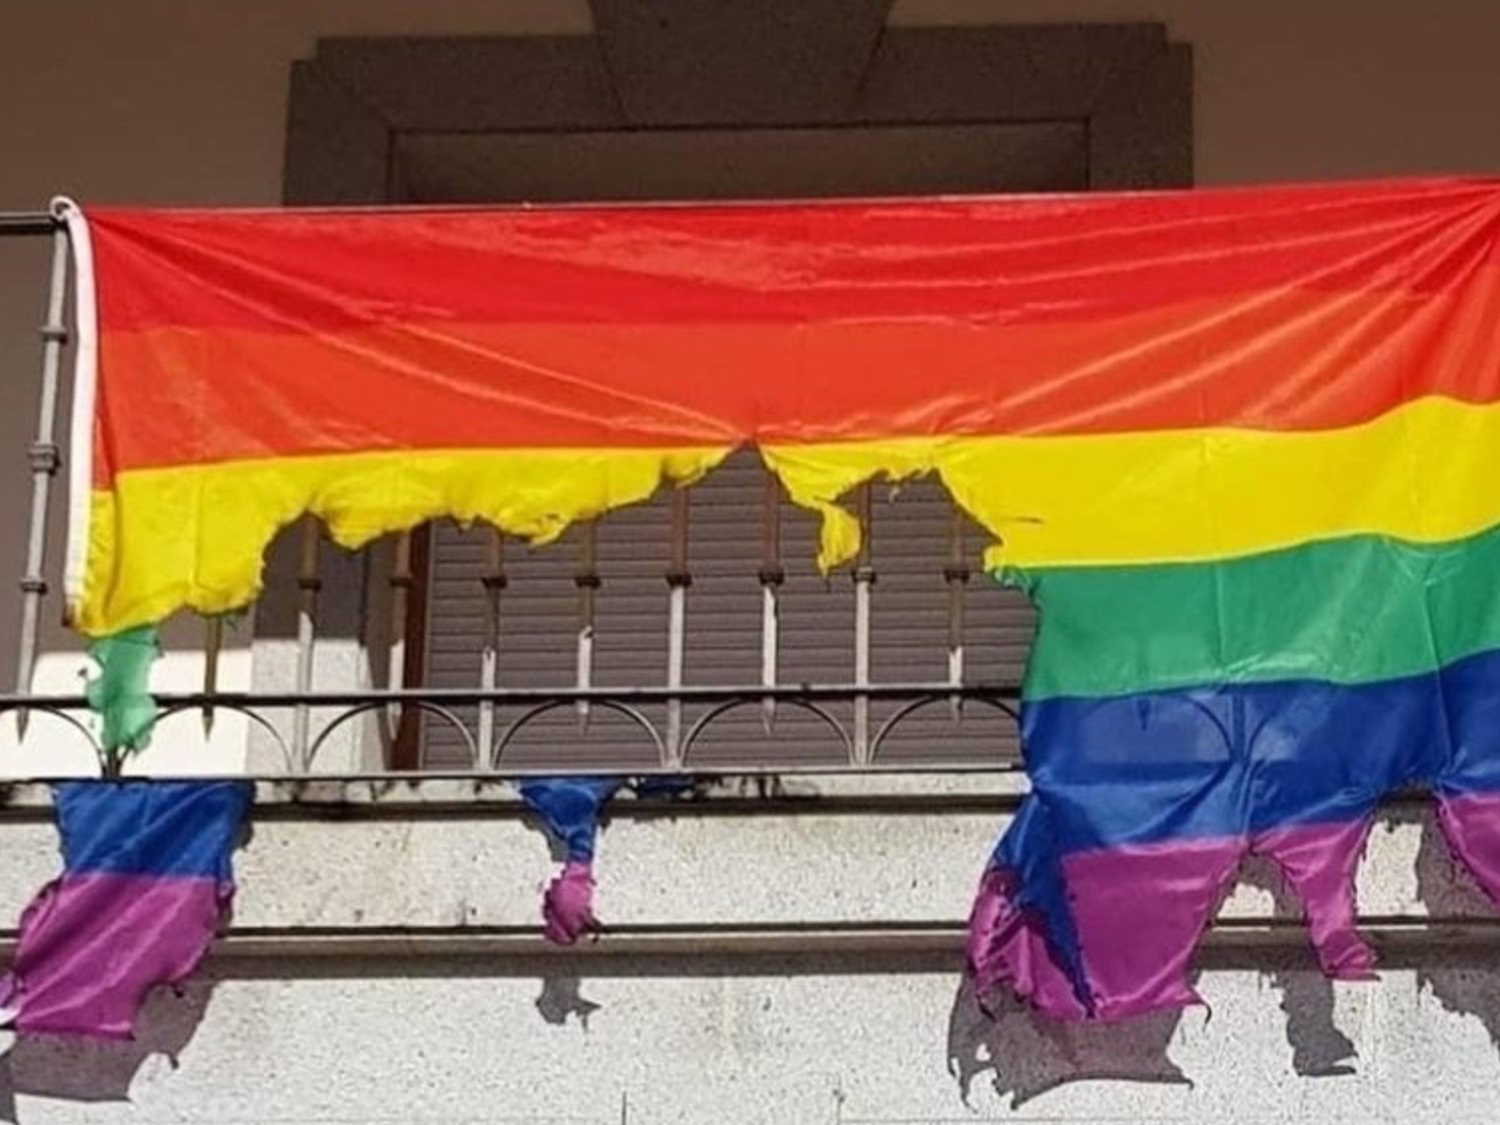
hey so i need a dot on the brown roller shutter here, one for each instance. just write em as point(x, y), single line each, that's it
point(909, 619)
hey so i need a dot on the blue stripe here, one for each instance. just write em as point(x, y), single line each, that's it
point(571, 807)
point(1029, 850)
point(186, 828)
point(1244, 758)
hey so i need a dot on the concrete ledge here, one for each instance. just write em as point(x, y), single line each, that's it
point(477, 795)
point(439, 864)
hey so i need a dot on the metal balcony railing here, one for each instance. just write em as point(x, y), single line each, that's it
point(489, 718)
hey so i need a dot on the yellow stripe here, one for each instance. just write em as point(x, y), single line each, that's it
point(1428, 472)
point(194, 537)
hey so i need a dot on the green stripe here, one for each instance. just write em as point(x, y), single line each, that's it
point(1348, 611)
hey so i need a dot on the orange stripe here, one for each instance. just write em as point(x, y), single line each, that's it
point(1287, 360)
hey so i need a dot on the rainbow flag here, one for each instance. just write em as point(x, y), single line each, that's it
point(146, 883)
point(1239, 446)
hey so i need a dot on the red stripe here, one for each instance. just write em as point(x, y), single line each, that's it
point(1017, 260)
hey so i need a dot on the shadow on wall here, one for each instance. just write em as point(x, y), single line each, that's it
point(1319, 1048)
point(1458, 983)
point(1028, 1055)
point(561, 997)
point(85, 1070)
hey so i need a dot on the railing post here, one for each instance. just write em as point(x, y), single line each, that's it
point(772, 575)
point(396, 655)
point(864, 579)
point(489, 661)
point(308, 584)
point(213, 647)
point(678, 581)
point(587, 580)
point(45, 460)
point(956, 575)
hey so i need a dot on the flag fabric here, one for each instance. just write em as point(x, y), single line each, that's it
point(121, 694)
point(570, 809)
point(146, 882)
point(1238, 446)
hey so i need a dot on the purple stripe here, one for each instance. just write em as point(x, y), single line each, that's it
point(93, 945)
point(1319, 863)
point(1138, 912)
point(1008, 945)
point(568, 906)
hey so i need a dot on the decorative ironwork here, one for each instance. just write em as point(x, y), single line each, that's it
point(532, 705)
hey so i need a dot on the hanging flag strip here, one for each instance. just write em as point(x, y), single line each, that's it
point(570, 809)
point(1239, 446)
point(146, 882)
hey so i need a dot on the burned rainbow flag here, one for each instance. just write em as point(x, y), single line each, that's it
point(1241, 447)
point(1178, 717)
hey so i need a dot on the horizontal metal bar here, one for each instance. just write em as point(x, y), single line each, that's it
point(393, 778)
point(1007, 693)
point(27, 222)
point(313, 788)
point(1388, 933)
